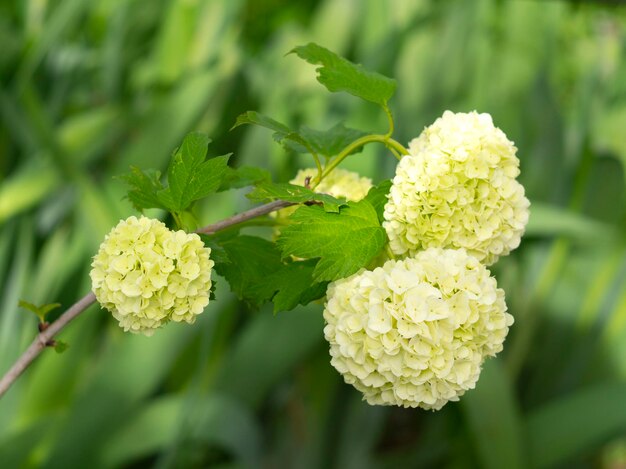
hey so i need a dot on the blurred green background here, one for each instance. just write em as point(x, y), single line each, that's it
point(89, 87)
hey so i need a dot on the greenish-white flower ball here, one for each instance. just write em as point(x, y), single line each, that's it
point(415, 332)
point(457, 188)
point(147, 275)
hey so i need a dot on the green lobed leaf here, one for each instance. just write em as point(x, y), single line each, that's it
point(345, 241)
point(377, 196)
point(282, 133)
point(250, 261)
point(292, 285)
point(254, 269)
point(256, 118)
point(189, 176)
point(329, 142)
point(144, 188)
point(29, 306)
point(339, 74)
point(45, 309)
point(293, 193)
point(218, 253)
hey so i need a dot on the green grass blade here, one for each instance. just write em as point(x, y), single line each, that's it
point(493, 419)
point(572, 425)
point(212, 420)
point(267, 350)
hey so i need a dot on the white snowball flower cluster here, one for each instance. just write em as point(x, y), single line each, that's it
point(457, 189)
point(415, 332)
point(147, 275)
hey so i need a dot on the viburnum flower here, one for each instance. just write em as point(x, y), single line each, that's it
point(456, 188)
point(415, 332)
point(147, 275)
point(339, 183)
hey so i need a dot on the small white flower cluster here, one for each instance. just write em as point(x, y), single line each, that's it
point(147, 275)
point(415, 332)
point(457, 189)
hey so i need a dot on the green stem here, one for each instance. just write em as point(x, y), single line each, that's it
point(318, 176)
point(390, 119)
point(384, 139)
point(395, 153)
point(177, 220)
point(393, 144)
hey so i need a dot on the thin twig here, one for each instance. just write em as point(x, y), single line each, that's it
point(243, 216)
point(44, 339)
